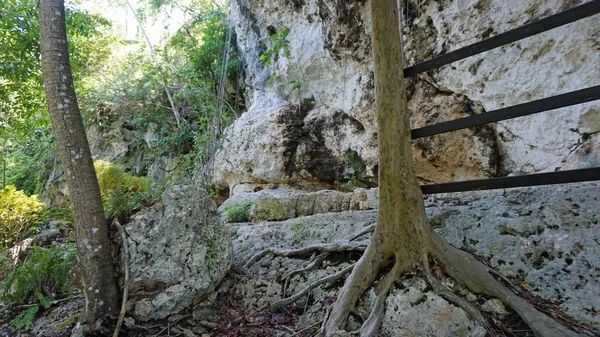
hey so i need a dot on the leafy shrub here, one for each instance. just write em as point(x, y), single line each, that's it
point(43, 277)
point(18, 212)
point(238, 212)
point(121, 192)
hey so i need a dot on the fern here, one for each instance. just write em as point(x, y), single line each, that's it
point(25, 319)
point(43, 275)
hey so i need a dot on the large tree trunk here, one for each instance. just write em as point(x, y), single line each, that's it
point(403, 237)
point(399, 236)
point(93, 249)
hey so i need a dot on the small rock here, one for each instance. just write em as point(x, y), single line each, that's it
point(495, 306)
point(202, 314)
point(129, 322)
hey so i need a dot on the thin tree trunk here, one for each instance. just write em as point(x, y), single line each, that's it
point(4, 164)
point(157, 62)
point(93, 249)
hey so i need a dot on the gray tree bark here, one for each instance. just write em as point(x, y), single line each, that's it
point(93, 249)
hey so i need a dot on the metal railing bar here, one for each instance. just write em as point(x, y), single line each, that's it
point(529, 108)
point(571, 15)
point(539, 179)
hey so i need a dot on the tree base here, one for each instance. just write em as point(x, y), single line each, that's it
point(459, 265)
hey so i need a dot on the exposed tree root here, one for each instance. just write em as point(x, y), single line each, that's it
point(461, 266)
point(361, 278)
point(444, 292)
point(327, 248)
point(338, 246)
point(311, 286)
point(476, 276)
point(369, 229)
point(316, 261)
point(371, 326)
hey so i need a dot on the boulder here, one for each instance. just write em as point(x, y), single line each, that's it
point(179, 252)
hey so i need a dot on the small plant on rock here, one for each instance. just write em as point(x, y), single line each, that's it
point(238, 212)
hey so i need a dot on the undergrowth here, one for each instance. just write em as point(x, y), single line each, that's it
point(18, 212)
point(41, 280)
point(121, 192)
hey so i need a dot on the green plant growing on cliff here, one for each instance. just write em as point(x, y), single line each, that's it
point(18, 212)
point(280, 43)
point(290, 89)
point(238, 212)
point(120, 191)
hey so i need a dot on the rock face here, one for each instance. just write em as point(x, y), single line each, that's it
point(179, 252)
point(324, 132)
point(545, 239)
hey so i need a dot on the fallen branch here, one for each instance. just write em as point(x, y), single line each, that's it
point(124, 254)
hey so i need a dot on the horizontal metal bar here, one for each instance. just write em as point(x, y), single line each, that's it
point(571, 15)
point(533, 107)
point(561, 177)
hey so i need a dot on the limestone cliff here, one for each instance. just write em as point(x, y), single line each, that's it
point(323, 133)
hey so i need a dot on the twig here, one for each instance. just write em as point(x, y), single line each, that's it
point(124, 254)
point(506, 280)
point(208, 324)
point(304, 329)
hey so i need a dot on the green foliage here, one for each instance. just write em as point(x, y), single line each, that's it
point(121, 192)
point(25, 319)
point(238, 212)
point(70, 321)
point(132, 85)
point(279, 42)
point(18, 212)
point(22, 100)
point(42, 278)
point(30, 160)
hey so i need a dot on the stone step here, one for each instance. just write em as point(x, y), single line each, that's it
point(282, 204)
